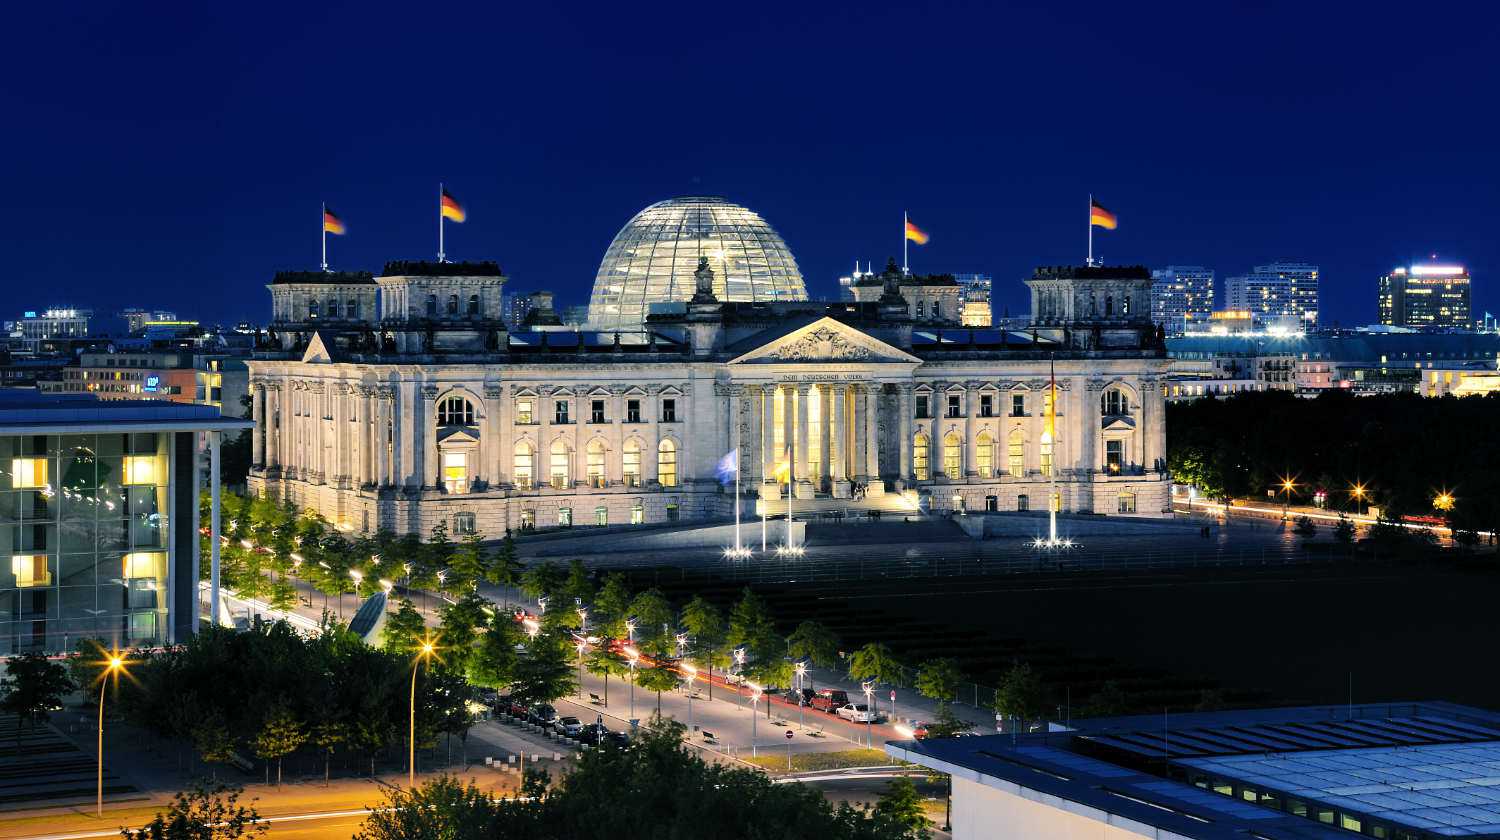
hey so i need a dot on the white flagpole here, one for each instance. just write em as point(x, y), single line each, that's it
point(440, 221)
point(1091, 230)
point(323, 226)
point(738, 546)
point(905, 245)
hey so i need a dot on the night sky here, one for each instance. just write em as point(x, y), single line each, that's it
point(176, 157)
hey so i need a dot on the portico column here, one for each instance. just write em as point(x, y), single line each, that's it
point(752, 460)
point(970, 454)
point(273, 427)
point(872, 434)
point(904, 470)
point(258, 415)
point(803, 467)
point(837, 435)
point(432, 472)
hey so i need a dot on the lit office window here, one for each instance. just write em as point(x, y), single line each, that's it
point(28, 473)
point(140, 469)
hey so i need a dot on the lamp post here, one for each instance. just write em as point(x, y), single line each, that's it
point(754, 699)
point(1357, 493)
point(357, 576)
point(113, 664)
point(582, 643)
point(692, 675)
point(1287, 486)
point(800, 672)
point(411, 742)
point(635, 656)
point(869, 689)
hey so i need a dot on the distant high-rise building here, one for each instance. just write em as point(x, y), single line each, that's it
point(1181, 295)
point(1426, 296)
point(974, 299)
point(36, 327)
point(1276, 291)
point(137, 318)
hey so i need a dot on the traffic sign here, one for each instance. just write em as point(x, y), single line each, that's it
point(789, 734)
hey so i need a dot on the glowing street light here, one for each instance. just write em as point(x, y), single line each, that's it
point(869, 688)
point(1358, 493)
point(754, 700)
point(1287, 486)
point(532, 627)
point(634, 657)
point(692, 678)
point(425, 650)
point(113, 666)
point(1444, 501)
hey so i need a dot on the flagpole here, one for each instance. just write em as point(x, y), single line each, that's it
point(323, 226)
point(440, 221)
point(1090, 219)
point(905, 245)
point(738, 546)
point(1052, 467)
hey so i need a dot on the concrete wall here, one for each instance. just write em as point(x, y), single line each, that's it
point(981, 812)
point(996, 525)
point(712, 536)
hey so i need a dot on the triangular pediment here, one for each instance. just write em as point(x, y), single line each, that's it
point(317, 351)
point(1118, 424)
point(825, 341)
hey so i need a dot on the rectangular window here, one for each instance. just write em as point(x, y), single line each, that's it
point(139, 469)
point(630, 465)
point(953, 457)
point(28, 473)
point(594, 458)
point(565, 517)
point(921, 405)
point(464, 524)
point(455, 472)
point(637, 514)
point(560, 412)
point(986, 405)
point(1023, 503)
point(991, 504)
point(919, 456)
point(596, 411)
point(1018, 405)
point(1114, 455)
point(666, 467)
point(1126, 503)
point(955, 405)
point(528, 520)
point(1017, 456)
point(30, 570)
point(632, 411)
point(921, 308)
point(524, 411)
point(672, 512)
point(601, 515)
point(985, 461)
point(669, 411)
point(1046, 456)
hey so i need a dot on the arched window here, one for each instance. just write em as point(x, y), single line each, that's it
point(524, 475)
point(561, 464)
point(921, 447)
point(313, 308)
point(1023, 502)
point(985, 456)
point(1109, 306)
point(453, 304)
point(351, 309)
point(455, 411)
point(595, 456)
point(631, 463)
point(666, 464)
point(1016, 453)
point(333, 308)
point(953, 456)
point(473, 306)
point(1125, 502)
point(637, 513)
point(432, 306)
point(1114, 402)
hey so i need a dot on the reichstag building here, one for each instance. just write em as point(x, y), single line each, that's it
point(401, 400)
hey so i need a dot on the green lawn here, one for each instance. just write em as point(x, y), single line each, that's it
point(774, 761)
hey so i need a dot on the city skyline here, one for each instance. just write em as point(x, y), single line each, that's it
point(179, 197)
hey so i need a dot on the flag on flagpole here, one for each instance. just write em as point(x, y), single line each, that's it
point(728, 467)
point(783, 471)
point(916, 234)
point(1099, 217)
point(331, 223)
point(451, 209)
point(1049, 423)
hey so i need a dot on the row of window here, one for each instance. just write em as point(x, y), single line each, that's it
point(601, 515)
point(560, 466)
point(985, 466)
point(457, 411)
point(330, 309)
point(1113, 402)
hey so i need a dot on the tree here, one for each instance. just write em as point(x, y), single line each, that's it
point(900, 806)
point(437, 553)
point(470, 565)
point(603, 662)
point(1020, 695)
point(706, 636)
point(493, 664)
point(462, 622)
point(505, 567)
point(1108, 701)
point(326, 736)
point(212, 739)
point(203, 813)
point(578, 587)
point(611, 607)
point(440, 809)
point(542, 581)
point(749, 617)
point(544, 672)
point(815, 643)
point(1343, 530)
point(939, 679)
point(34, 686)
point(658, 678)
point(653, 622)
point(404, 630)
point(1305, 528)
point(279, 737)
point(875, 662)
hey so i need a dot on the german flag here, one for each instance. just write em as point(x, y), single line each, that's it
point(1099, 217)
point(916, 234)
point(451, 209)
point(331, 223)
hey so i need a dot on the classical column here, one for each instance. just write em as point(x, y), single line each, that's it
point(752, 460)
point(804, 470)
point(904, 391)
point(970, 454)
point(872, 436)
point(838, 474)
point(1150, 414)
point(403, 445)
point(431, 471)
point(768, 453)
point(258, 416)
point(272, 424)
point(935, 446)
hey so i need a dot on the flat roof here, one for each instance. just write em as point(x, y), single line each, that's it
point(31, 412)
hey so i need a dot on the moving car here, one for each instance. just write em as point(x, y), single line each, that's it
point(568, 727)
point(828, 700)
point(799, 697)
point(857, 713)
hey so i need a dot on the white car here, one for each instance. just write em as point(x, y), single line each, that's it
point(568, 727)
point(857, 713)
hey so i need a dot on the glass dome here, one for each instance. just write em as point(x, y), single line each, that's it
point(652, 260)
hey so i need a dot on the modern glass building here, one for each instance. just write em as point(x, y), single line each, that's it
point(98, 511)
point(652, 260)
point(1426, 296)
point(1182, 296)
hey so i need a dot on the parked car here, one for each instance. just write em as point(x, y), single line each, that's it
point(615, 739)
point(857, 713)
point(800, 696)
point(541, 714)
point(828, 700)
point(592, 733)
point(568, 726)
point(509, 705)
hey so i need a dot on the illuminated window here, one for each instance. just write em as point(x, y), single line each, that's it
point(523, 466)
point(144, 564)
point(1046, 456)
point(637, 513)
point(601, 515)
point(455, 411)
point(920, 445)
point(561, 463)
point(565, 517)
point(140, 469)
point(1114, 455)
point(30, 570)
point(1125, 502)
point(631, 463)
point(595, 462)
point(1016, 446)
point(524, 411)
point(28, 473)
point(985, 455)
point(666, 464)
point(1057, 502)
point(953, 456)
point(455, 472)
point(528, 519)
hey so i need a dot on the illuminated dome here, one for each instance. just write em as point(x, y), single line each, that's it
point(652, 260)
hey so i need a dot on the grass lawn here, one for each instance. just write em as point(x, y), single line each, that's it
point(802, 762)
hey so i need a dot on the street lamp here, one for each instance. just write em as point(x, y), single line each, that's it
point(754, 699)
point(1287, 486)
point(682, 639)
point(692, 675)
point(532, 627)
point(115, 663)
point(634, 656)
point(869, 689)
point(582, 643)
point(1357, 493)
point(800, 672)
point(1444, 501)
point(423, 652)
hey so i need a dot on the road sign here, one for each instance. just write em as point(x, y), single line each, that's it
point(893, 695)
point(789, 734)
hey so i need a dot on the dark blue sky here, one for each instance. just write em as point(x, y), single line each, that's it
point(176, 157)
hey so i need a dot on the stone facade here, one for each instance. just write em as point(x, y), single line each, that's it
point(423, 417)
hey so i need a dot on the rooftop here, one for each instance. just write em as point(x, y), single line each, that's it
point(429, 268)
point(328, 278)
point(29, 412)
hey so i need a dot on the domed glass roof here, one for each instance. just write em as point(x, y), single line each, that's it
point(652, 260)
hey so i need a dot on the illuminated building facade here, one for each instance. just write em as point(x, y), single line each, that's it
point(101, 510)
point(1282, 290)
point(974, 297)
point(36, 327)
point(1181, 296)
point(178, 376)
point(1426, 296)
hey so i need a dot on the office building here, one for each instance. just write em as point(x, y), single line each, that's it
point(179, 376)
point(101, 514)
point(1423, 296)
point(137, 318)
point(1182, 296)
point(1400, 771)
point(1284, 290)
point(34, 328)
